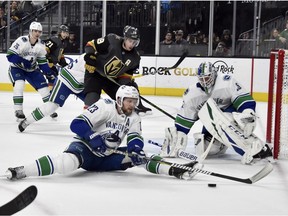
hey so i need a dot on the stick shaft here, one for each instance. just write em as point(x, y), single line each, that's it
point(259, 175)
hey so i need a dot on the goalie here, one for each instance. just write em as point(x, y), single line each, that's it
point(227, 112)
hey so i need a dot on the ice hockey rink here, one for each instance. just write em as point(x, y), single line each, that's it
point(134, 191)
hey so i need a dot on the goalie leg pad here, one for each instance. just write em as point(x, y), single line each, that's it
point(201, 144)
point(226, 132)
point(181, 144)
point(173, 142)
point(170, 134)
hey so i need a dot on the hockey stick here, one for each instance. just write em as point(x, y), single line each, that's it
point(162, 69)
point(182, 57)
point(147, 101)
point(21, 201)
point(259, 175)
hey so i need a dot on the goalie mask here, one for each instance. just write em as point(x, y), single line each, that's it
point(130, 32)
point(126, 92)
point(206, 75)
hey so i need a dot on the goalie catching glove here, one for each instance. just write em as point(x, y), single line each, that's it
point(246, 121)
point(173, 142)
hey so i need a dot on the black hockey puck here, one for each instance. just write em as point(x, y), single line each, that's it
point(211, 185)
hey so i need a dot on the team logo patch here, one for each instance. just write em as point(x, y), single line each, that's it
point(113, 67)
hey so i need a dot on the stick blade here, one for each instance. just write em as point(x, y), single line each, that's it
point(24, 199)
point(262, 173)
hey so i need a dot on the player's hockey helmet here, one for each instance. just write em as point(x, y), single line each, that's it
point(35, 26)
point(125, 91)
point(63, 28)
point(132, 33)
point(206, 75)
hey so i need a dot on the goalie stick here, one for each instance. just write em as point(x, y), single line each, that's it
point(21, 201)
point(255, 178)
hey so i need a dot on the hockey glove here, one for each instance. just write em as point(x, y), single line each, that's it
point(97, 143)
point(16, 59)
point(138, 155)
point(90, 60)
point(112, 140)
point(90, 68)
point(27, 64)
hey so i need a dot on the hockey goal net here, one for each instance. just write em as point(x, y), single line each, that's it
point(277, 109)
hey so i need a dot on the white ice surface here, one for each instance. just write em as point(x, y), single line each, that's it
point(134, 191)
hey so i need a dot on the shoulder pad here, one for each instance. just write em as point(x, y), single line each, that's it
point(55, 38)
point(42, 42)
point(102, 45)
point(108, 101)
point(113, 36)
point(24, 39)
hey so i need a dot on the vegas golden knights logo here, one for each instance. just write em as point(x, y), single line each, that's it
point(113, 67)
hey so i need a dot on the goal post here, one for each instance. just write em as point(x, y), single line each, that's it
point(277, 108)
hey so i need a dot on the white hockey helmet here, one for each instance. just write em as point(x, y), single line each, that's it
point(35, 26)
point(125, 91)
point(206, 75)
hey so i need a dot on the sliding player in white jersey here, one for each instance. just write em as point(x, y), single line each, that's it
point(230, 96)
point(25, 55)
point(100, 130)
point(69, 81)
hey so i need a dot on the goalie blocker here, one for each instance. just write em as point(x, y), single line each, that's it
point(225, 130)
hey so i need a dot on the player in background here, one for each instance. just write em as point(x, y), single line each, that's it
point(69, 81)
point(55, 46)
point(101, 128)
point(26, 55)
point(230, 96)
point(112, 58)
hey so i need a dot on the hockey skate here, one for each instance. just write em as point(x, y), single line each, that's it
point(15, 173)
point(19, 114)
point(184, 174)
point(23, 125)
point(54, 115)
point(265, 153)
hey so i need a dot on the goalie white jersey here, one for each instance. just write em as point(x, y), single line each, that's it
point(226, 92)
point(33, 53)
point(73, 75)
